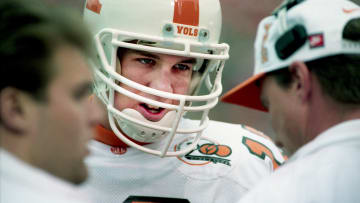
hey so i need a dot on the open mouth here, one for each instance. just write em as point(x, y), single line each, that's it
point(152, 113)
point(152, 109)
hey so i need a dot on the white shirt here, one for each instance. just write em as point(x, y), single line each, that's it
point(324, 170)
point(197, 177)
point(22, 183)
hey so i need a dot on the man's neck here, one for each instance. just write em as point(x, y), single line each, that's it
point(18, 145)
point(325, 113)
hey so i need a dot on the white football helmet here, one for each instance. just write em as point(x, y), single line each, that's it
point(189, 28)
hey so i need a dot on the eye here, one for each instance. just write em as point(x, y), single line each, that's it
point(182, 67)
point(146, 61)
point(82, 91)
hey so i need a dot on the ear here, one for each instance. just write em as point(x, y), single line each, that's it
point(12, 110)
point(302, 80)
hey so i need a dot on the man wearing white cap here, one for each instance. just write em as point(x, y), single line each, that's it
point(307, 76)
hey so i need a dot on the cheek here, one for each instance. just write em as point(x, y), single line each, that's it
point(181, 86)
point(278, 124)
point(69, 118)
point(278, 119)
point(122, 101)
point(61, 131)
point(285, 125)
point(133, 72)
point(136, 76)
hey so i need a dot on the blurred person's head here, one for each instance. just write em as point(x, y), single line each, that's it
point(76, 5)
point(46, 116)
point(307, 69)
point(153, 60)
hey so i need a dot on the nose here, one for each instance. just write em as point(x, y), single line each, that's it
point(161, 80)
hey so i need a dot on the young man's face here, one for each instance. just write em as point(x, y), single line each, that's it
point(65, 121)
point(159, 71)
point(285, 113)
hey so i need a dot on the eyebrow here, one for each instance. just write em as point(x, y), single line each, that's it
point(190, 61)
point(147, 54)
point(83, 88)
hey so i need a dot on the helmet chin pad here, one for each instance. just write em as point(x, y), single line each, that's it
point(143, 133)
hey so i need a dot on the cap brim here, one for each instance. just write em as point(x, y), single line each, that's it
point(246, 94)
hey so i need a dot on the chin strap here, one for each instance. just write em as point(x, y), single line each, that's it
point(140, 132)
point(108, 137)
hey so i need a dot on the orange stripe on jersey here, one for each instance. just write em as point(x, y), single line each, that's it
point(94, 5)
point(260, 150)
point(186, 12)
point(108, 137)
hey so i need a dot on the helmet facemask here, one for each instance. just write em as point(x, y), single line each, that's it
point(131, 122)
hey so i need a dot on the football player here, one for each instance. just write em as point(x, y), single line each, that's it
point(159, 64)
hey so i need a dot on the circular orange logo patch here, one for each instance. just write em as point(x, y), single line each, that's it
point(210, 149)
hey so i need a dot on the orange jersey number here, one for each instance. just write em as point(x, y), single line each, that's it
point(260, 150)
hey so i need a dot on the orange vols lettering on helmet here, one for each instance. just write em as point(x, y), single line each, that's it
point(94, 5)
point(186, 12)
point(187, 31)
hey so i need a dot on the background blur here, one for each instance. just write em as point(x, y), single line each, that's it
point(240, 19)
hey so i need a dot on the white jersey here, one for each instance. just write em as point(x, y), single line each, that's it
point(22, 183)
point(220, 171)
point(324, 170)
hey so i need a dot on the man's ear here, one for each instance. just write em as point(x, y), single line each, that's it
point(302, 79)
point(12, 110)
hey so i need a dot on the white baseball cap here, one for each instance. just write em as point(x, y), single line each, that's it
point(301, 30)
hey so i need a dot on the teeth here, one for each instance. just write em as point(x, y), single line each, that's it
point(152, 107)
point(153, 111)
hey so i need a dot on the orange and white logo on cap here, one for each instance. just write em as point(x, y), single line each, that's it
point(351, 10)
point(186, 17)
point(264, 51)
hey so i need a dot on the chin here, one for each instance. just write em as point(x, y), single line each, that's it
point(80, 174)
